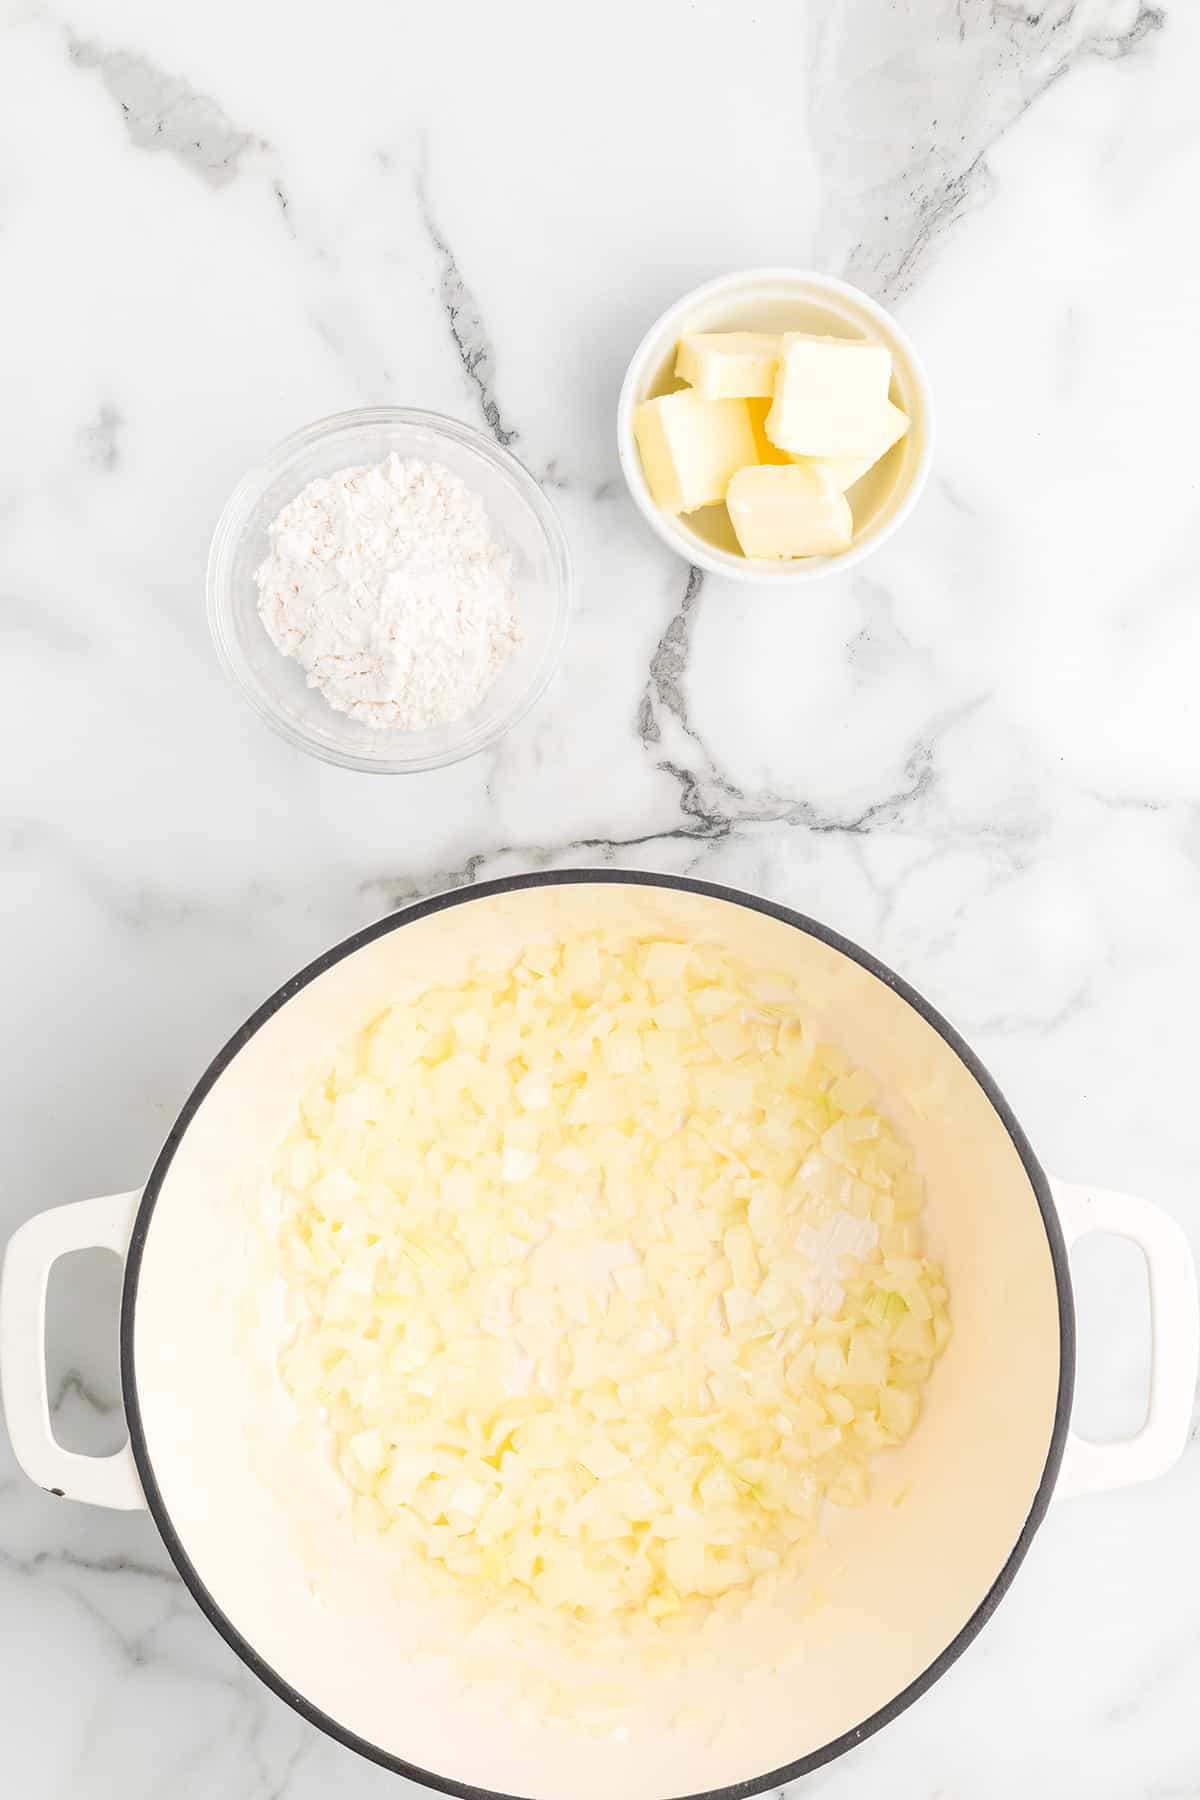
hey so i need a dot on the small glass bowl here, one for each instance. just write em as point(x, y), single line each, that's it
point(522, 521)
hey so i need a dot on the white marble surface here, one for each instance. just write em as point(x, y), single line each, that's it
point(979, 757)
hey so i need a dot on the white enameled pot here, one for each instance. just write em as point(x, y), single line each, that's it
point(910, 1584)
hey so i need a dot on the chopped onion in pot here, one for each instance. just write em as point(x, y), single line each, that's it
point(607, 1272)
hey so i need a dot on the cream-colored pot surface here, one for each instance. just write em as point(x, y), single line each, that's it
point(915, 1572)
point(902, 1578)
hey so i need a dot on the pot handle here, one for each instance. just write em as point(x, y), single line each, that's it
point(32, 1251)
point(1089, 1467)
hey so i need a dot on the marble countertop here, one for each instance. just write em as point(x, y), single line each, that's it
point(979, 756)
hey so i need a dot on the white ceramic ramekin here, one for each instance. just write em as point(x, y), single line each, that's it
point(781, 300)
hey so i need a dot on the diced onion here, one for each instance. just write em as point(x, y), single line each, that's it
point(607, 1272)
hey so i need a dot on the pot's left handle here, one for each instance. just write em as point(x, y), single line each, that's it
point(32, 1251)
point(1174, 1340)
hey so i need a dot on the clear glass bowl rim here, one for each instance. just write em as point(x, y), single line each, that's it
point(260, 476)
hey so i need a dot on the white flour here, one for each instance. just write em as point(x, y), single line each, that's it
point(385, 584)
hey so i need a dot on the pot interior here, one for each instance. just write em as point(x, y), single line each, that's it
point(263, 1525)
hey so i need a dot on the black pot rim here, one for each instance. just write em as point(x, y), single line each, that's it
point(314, 1715)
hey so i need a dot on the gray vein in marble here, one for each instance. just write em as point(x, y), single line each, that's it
point(1124, 43)
point(982, 64)
point(935, 213)
point(398, 891)
point(92, 1583)
point(952, 494)
point(1140, 803)
point(890, 894)
point(880, 646)
point(99, 440)
point(708, 796)
point(668, 665)
point(92, 1565)
point(277, 1789)
point(714, 809)
point(476, 353)
point(255, 1721)
point(73, 1385)
point(161, 112)
point(283, 203)
point(134, 1650)
point(470, 336)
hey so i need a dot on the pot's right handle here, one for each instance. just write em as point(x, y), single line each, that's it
point(1174, 1340)
point(32, 1252)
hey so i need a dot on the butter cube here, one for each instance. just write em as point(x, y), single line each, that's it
point(729, 364)
point(690, 447)
point(782, 511)
point(829, 393)
point(844, 471)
